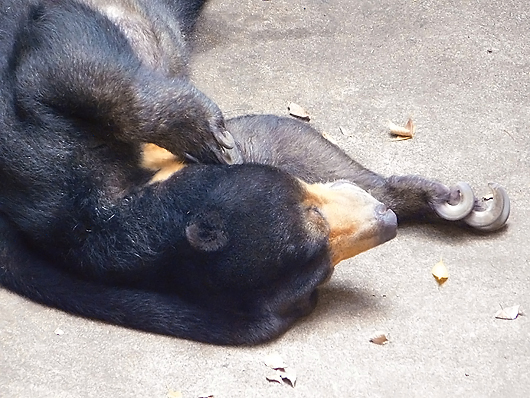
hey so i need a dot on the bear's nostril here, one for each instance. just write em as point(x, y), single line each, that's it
point(381, 209)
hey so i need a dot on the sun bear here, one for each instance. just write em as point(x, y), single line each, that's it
point(126, 197)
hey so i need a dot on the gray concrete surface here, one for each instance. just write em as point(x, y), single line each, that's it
point(461, 69)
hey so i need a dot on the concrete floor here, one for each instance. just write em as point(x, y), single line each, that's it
point(461, 70)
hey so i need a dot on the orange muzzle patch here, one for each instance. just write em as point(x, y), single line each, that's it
point(357, 221)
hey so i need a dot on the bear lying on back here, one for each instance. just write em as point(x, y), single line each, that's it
point(98, 220)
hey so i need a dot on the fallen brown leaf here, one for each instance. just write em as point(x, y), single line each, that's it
point(297, 111)
point(402, 133)
point(440, 272)
point(379, 338)
point(508, 313)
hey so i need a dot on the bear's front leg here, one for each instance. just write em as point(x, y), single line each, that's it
point(108, 94)
point(172, 113)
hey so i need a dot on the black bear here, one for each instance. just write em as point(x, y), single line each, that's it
point(125, 196)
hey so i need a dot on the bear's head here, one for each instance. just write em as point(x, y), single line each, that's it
point(256, 228)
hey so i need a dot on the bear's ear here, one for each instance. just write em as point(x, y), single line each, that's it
point(206, 232)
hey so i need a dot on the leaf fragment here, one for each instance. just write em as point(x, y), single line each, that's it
point(402, 133)
point(297, 111)
point(282, 373)
point(379, 338)
point(440, 272)
point(508, 313)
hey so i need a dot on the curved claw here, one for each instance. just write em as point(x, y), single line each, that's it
point(460, 210)
point(232, 156)
point(229, 153)
point(496, 213)
point(225, 139)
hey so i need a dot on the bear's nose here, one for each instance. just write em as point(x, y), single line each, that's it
point(387, 221)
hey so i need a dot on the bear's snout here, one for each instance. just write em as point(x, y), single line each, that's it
point(357, 221)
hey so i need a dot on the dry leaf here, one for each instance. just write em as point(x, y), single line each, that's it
point(58, 332)
point(282, 373)
point(509, 313)
point(274, 361)
point(174, 394)
point(440, 272)
point(402, 133)
point(297, 111)
point(206, 396)
point(379, 338)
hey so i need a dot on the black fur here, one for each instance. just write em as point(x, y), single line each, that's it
point(216, 253)
point(65, 65)
point(131, 263)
